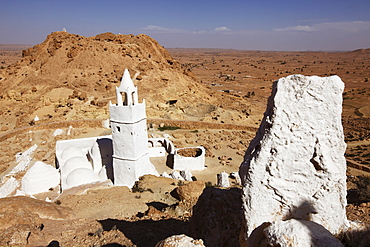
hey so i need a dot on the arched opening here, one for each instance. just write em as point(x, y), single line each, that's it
point(133, 98)
point(124, 98)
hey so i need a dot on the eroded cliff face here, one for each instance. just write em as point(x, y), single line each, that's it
point(295, 166)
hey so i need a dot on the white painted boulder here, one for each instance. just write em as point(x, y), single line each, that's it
point(40, 178)
point(295, 166)
point(165, 175)
point(223, 180)
point(186, 174)
point(236, 176)
point(299, 233)
point(180, 241)
point(177, 175)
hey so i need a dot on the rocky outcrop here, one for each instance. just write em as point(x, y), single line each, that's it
point(190, 191)
point(295, 166)
point(29, 222)
point(19, 216)
point(31, 208)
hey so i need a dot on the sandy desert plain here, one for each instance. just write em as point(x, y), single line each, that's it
point(233, 88)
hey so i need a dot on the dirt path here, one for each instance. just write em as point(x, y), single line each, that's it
point(358, 143)
point(185, 124)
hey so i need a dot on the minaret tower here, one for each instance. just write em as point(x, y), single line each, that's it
point(129, 135)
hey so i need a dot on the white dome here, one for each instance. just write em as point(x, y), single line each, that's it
point(40, 178)
point(81, 176)
point(73, 164)
point(72, 152)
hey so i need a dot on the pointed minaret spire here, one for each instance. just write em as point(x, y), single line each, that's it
point(126, 82)
point(127, 89)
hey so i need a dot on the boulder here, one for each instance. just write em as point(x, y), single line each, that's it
point(32, 211)
point(180, 241)
point(295, 166)
point(299, 233)
point(190, 191)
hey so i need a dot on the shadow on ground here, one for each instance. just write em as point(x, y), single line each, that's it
point(216, 220)
point(146, 233)
point(217, 217)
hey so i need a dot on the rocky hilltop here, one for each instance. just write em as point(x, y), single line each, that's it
point(69, 76)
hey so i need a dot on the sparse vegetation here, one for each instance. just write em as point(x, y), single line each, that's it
point(137, 189)
point(209, 184)
point(168, 128)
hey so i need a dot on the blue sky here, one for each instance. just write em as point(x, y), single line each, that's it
point(292, 25)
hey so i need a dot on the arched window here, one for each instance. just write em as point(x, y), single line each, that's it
point(133, 98)
point(124, 98)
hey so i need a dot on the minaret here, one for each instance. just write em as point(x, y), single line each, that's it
point(129, 135)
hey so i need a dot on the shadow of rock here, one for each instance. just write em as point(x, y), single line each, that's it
point(113, 245)
point(157, 205)
point(53, 243)
point(217, 217)
point(146, 233)
point(353, 197)
point(301, 212)
point(356, 238)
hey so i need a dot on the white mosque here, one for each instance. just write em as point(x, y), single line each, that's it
point(119, 159)
point(122, 157)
